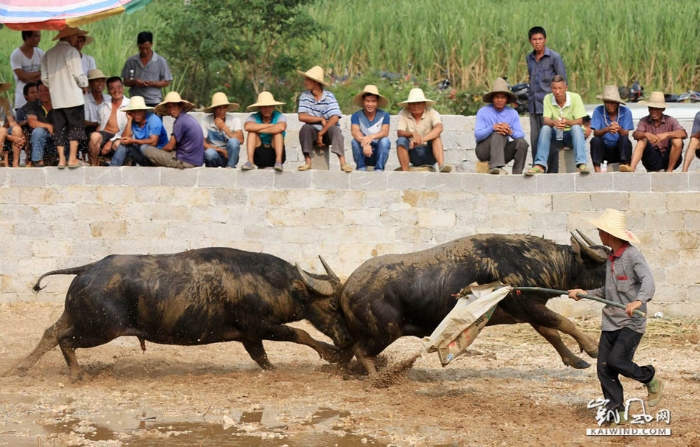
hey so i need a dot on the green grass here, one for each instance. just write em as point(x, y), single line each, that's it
point(601, 42)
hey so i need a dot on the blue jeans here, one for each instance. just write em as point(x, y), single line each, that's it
point(380, 154)
point(125, 150)
point(419, 155)
point(213, 159)
point(573, 136)
point(40, 140)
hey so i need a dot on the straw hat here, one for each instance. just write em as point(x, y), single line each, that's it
point(315, 74)
point(88, 39)
point(500, 86)
point(5, 86)
point(96, 73)
point(264, 99)
point(612, 94)
point(370, 89)
point(173, 97)
point(657, 100)
point(220, 99)
point(614, 222)
point(69, 31)
point(416, 95)
point(136, 103)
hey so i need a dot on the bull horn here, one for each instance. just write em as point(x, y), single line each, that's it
point(598, 255)
point(319, 286)
point(329, 271)
point(588, 240)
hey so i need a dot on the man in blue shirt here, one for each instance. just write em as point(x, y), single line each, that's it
point(266, 129)
point(542, 65)
point(611, 124)
point(499, 135)
point(143, 129)
point(370, 130)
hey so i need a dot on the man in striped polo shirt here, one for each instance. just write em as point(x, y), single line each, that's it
point(320, 112)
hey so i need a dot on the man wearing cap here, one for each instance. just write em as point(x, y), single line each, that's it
point(320, 112)
point(266, 129)
point(143, 129)
point(25, 61)
point(62, 73)
point(146, 73)
point(542, 65)
point(370, 130)
point(223, 133)
point(611, 124)
point(694, 144)
point(87, 61)
point(629, 282)
point(419, 130)
point(499, 136)
point(659, 138)
point(185, 149)
point(112, 122)
point(564, 112)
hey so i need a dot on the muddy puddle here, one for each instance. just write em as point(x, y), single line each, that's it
point(60, 425)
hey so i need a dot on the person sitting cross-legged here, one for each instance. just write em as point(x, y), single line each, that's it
point(370, 130)
point(266, 129)
point(563, 112)
point(223, 133)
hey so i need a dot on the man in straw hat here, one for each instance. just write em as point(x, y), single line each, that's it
point(563, 125)
point(185, 149)
point(25, 61)
point(499, 136)
point(87, 61)
point(112, 122)
point(320, 112)
point(659, 138)
point(62, 73)
point(419, 131)
point(694, 144)
point(370, 130)
point(223, 133)
point(266, 129)
point(611, 124)
point(628, 281)
point(143, 129)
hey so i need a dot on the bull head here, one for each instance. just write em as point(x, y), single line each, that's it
point(319, 286)
point(580, 241)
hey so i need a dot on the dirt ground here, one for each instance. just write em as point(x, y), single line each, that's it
point(510, 387)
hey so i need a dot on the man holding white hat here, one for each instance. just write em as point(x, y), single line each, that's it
point(611, 124)
point(223, 133)
point(370, 130)
point(266, 129)
point(629, 282)
point(499, 135)
point(659, 138)
point(320, 112)
point(62, 73)
point(419, 131)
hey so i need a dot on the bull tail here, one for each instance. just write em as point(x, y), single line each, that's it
point(70, 271)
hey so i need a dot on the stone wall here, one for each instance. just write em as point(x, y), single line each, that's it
point(51, 219)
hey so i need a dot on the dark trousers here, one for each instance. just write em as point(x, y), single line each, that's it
point(620, 153)
point(615, 352)
point(333, 138)
point(536, 123)
point(497, 150)
point(655, 160)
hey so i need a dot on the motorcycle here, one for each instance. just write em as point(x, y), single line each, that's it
point(521, 93)
point(689, 96)
point(635, 93)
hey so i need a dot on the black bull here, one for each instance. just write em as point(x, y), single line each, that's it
point(396, 295)
point(197, 297)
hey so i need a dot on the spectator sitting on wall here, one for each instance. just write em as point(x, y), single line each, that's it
point(112, 122)
point(611, 124)
point(143, 129)
point(40, 118)
point(370, 130)
point(266, 129)
point(223, 133)
point(694, 144)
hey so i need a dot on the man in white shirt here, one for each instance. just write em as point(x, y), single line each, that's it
point(112, 122)
point(25, 61)
point(62, 73)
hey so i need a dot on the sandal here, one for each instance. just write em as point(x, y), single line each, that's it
point(304, 167)
point(247, 166)
point(346, 168)
point(76, 165)
point(534, 170)
point(583, 169)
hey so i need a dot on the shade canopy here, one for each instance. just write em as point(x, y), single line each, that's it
point(55, 14)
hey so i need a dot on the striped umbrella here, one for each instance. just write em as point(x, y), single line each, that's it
point(55, 14)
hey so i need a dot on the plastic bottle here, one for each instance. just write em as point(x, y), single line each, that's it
point(131, 74)
point(559, 133)
point(604, 166)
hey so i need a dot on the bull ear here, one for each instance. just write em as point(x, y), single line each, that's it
point(319, 286)
point(598, 255)
point(329, 271)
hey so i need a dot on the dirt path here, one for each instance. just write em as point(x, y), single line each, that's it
point(511, 387)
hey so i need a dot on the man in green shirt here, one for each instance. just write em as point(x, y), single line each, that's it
point(563, 126)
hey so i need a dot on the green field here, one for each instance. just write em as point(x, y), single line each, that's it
point(474, 40)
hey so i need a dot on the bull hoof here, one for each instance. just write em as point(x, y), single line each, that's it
point(579, 364)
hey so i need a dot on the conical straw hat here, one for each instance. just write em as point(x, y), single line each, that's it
point(614, 222)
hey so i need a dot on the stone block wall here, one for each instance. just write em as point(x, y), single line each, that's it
point(52, 219)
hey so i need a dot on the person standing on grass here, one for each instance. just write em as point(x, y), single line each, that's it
point(628, 281)
point(542, 65)
point(146, 73)
point(611, 124)
point(62, 73)
point(370, 130)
